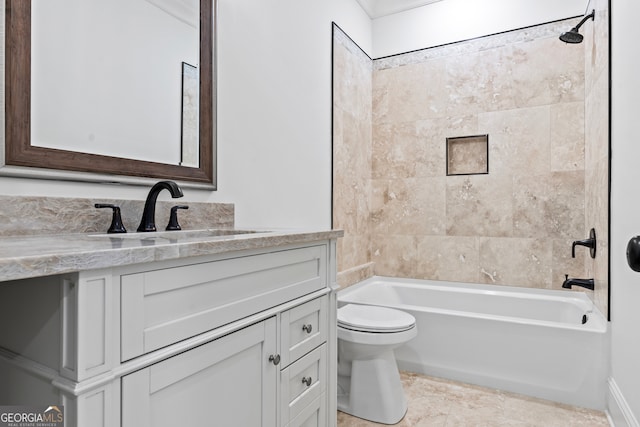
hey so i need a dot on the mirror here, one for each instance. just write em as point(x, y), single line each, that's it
point(35, 95)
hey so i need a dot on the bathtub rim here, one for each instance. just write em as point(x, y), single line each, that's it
point(597, 322)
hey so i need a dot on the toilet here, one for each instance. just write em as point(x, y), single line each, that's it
point(369, 384)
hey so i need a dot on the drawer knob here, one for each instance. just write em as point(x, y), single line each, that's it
point(275, 359)
point(306, 380)
point(307, 328)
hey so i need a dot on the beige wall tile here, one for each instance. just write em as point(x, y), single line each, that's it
point(479, 205)
point(353, 88)
point(400, 152)
point(352, 112)
point(596, 36)
point(597, 147)
point(410, 206)
point(481, 81)
point(597, 123)
point(597, 203)
point(410, 93)
point(355, 251)
point(523, 74)
point(516, 262)
point(394, 255)
point(550, 72)
point(518, 140)
point(549, 205)
point(379, 200)
point(567, 127)
point(448, 258)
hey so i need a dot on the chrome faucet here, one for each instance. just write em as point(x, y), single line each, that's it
point(585, 283)
point(148, 222)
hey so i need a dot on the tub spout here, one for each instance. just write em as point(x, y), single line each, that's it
point(585, 283)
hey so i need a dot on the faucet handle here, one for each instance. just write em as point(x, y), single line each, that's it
point(116, 220)
point(173, 218)
point(589, 243)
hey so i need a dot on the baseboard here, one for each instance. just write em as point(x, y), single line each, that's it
point(618, 411)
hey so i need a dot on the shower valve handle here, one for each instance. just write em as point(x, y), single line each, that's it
point(589, 243)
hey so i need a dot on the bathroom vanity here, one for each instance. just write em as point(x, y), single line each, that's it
point(195, 328)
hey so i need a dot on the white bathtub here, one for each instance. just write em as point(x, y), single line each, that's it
point(528, 341)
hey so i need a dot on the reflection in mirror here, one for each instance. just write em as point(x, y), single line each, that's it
point(115, 87)
point(189, 128)
point(135, 47)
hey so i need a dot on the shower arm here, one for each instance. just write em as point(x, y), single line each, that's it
point(592, 15)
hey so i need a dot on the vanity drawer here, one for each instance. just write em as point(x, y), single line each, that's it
point(303, 328)
point(164, 306)
point(314, 415)
point(303, 382)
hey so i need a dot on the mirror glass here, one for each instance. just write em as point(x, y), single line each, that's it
point(117, 87)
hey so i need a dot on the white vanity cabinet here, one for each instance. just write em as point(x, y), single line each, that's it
point(226, 382)
point(244, 338)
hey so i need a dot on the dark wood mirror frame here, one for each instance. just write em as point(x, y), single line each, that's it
point(18, 148)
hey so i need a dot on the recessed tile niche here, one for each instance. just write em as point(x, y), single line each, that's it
point(468, 155)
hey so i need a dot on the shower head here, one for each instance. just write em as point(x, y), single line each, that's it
point(573, 36)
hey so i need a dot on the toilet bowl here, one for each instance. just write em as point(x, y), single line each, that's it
point(369, 385)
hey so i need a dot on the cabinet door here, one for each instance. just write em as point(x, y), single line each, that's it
point(227, 382)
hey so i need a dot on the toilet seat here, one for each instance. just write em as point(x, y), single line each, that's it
point(374, 319)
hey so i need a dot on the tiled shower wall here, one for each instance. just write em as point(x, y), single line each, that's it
point(596, 43)
point(352, 113)
point(512, 226)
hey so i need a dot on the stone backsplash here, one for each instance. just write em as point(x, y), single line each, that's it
point(58, 215)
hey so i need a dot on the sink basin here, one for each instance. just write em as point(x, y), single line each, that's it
point(179, 235)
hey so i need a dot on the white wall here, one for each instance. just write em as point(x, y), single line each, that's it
point(455, 20)
point(625, 206)
point(274, 114)
point(274, 117)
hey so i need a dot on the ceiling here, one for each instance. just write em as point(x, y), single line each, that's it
point(378, 8)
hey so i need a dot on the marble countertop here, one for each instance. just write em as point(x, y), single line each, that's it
point(43, 255)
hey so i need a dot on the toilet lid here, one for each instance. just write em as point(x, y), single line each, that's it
point(368, 318)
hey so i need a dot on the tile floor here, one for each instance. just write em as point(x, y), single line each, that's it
point(435, 402)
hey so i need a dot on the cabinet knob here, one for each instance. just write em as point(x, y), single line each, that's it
point(275, 359)
point(307, 328)
point(307, 381)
